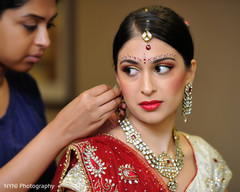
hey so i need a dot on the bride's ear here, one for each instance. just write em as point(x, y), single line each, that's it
point(117, 81)
point(192, 71)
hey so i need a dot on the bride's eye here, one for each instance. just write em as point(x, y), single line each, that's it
point(131, 71)
point(162, 69)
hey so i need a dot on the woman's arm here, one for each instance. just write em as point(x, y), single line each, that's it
point(78, 119)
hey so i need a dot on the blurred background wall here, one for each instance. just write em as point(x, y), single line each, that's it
point(91, 25)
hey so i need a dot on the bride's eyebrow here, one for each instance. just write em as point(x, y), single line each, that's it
point(129, 61)
point(163, 59)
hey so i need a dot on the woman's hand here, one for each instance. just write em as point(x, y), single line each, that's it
point(112, 121)
point(88, 112)
point(78, 119)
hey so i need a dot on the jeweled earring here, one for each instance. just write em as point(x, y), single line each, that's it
point(187, 102)
point(118, 109)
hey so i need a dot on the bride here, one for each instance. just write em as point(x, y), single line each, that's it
point(155, 69)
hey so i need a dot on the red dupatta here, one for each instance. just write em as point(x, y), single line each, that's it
point(108, 164)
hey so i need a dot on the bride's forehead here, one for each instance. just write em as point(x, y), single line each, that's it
point(137, 44)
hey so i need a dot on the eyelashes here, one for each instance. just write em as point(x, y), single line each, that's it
point(33, 27)
point(162, 69)
point(130, 71)
point(30, 27)
point(159, 69)
point(50, 25)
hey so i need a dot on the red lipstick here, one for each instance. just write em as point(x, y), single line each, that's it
point(150, 105)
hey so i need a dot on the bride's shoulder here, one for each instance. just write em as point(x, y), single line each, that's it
point(194, 140)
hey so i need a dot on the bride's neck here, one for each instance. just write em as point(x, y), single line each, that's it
point(159, 136)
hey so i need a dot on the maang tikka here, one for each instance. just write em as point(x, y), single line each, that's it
point(187, 102)
point(147, 36)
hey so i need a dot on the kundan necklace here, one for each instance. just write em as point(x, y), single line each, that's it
point(166, 165)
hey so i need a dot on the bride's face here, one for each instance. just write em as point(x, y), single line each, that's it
point(152, 81)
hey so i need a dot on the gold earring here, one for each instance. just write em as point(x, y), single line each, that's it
point(187, 102)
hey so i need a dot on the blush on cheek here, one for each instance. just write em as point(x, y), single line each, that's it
point(177, 84)
point(124, 88)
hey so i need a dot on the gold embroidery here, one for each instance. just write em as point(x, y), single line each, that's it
point(92, 162)
point(87, 172)
point(128, 174)
point(73, 148)
point(76, 179)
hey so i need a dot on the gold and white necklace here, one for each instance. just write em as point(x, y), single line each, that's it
point(166, 165)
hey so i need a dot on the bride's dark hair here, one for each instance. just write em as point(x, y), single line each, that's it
point(164, 24)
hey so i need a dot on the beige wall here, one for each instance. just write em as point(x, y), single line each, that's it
point(215, 28)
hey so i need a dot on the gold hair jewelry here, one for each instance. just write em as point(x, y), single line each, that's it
point(166, 165)
point(187, 102)
point(147, 36)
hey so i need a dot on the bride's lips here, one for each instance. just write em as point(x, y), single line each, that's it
point(150, 105)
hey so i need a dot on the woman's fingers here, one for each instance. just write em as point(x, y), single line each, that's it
point(108, 96)
point(98, 90)
point(104, 111)
point(88, 111)
point(98, 96)
point(109, 106)
point(105, 101)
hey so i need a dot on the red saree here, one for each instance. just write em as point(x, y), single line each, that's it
point(105, 163)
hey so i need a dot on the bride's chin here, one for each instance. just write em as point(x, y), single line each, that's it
point(147, 119)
